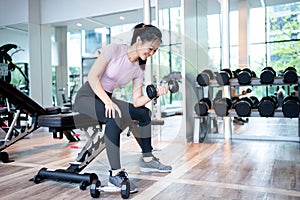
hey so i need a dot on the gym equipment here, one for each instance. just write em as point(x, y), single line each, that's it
point(234, 100)
point(244, 106)
point(255, 102)
point(222, 106)
point(201, 108)
point(68, 101)
point(61, 175)
point(267, 75)
point(23, 105)
point(5, 59)
point(172, 76)
point(204, 77)
point(93, 147)
point(224, 76)
point(7, 65)
point(96, 188)
point(290, 75)
point(152, 91)
point(244, 76)
point(267, 106)
point(291, 106)
point(248, 90)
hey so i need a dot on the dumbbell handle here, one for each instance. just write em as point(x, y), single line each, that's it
point(152, 91)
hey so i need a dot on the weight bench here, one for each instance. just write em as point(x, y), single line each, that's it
point(18, 105)
point(93, 147)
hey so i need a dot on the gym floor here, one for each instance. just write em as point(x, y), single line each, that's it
point(214, 169)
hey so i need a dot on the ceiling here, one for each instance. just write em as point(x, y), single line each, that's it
point(134, 16)
point(110, 20)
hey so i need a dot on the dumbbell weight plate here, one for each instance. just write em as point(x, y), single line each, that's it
point(275, 100)
point(151, 91)
point(266, 106)
point(204, 77)
point(244, 77)
point(222, 106)
point(94, 191)
point(243, 107)
point(236, 73)
point(201, 108)
point(173, 86)
point(267, 76)
point(290, 75)
point(291, 106)
point(234, 100)
point(224, 76)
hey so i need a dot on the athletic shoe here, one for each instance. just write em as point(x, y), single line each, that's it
point(118, 179)
point(154, 166)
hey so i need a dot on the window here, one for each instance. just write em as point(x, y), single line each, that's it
point(274, 41)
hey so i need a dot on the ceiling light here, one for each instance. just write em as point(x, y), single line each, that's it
point(79, 24)
point(122, 17)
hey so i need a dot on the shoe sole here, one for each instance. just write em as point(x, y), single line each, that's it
point(142, 169)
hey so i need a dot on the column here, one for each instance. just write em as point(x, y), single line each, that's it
point(61, 64)
point(243, 33)
point(39, 56)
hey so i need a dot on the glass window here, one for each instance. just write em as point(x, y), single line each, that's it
point(214, 40)
point(274, 41)
point(169, 57)
point(283, 29)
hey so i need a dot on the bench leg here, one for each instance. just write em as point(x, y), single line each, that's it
point(70, 137)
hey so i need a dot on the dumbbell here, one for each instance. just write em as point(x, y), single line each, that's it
point(267, 106)
point(201, 108)
point(244, 76)
point(267, 75)
point(222, 106)
point(248, 90)
point(204, 77)
point(291, 106)
point(244, 106)
point(290, 75)
point(152, 91)
point(224, 76)
point(234, 100)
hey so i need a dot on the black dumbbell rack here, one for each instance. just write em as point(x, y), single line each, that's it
point(205, 121)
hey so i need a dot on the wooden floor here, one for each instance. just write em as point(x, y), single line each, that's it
point(215, 169)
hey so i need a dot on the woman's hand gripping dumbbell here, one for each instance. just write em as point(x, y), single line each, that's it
point(154, 92)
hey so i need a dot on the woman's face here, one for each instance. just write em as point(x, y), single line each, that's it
point(147, 49)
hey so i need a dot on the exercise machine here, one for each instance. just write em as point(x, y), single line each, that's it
point(23, 105)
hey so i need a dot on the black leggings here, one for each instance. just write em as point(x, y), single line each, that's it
point(86, 102)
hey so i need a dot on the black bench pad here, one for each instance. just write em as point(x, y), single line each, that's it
point(67, 121)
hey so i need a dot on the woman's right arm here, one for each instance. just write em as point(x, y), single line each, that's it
point(93, 78)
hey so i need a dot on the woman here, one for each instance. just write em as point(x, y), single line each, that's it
point(116, 66)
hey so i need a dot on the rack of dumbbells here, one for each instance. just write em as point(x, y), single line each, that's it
point(208, 108)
